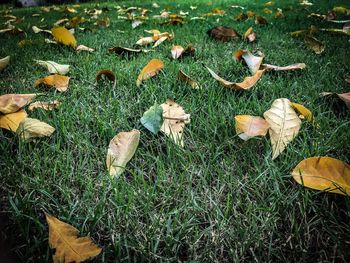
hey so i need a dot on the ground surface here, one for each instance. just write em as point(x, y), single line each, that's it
point(218, 199)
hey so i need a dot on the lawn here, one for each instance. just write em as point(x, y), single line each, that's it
point(217, 199)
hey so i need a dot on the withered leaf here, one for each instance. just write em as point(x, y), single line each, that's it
point(44, 105)
point(4, 62)
point(108, 74)
point(248, 126)
point(11, 121)
point(314, 44)
point(150, 70)
point(296, 66)
point(182, 76)
point(223, 33)
point(179, 51)
point(84, 48)
point(32, 128)
point(56, 81)
point(13, 102)
point(250, 35)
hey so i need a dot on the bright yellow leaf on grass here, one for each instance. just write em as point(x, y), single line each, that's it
point(11, 121)
point(305, 112)
point(63, 36)
point(56, 81)
point(150, 70)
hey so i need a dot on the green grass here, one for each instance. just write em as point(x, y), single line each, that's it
point(219, 199)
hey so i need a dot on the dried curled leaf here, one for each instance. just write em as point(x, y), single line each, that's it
point(44, 105)
point(223, 33)
point(37, 30)
point(4, 62)
point(314, 44)
point(150, 70)
point(343, 96)
point(11, 121)
point(260, 20)
point(63, 36)
point(179, 51)
point(284, 125)
point(250, 35)
point(53, 67)
point(174, 122)
point(57, 81)
point(296, 66)
point(253, 62)
point(13, 102)
point(182, 76)
point(124, 50)
point(108, 74)
point(32, 128)
point(248, 126)
point(84, 48)
point(325, 174)
point(68, 246)
point(121, 149)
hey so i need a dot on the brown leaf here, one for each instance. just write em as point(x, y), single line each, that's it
point(68, 246)
point(59, 82)
point(150, 70)
point(108, 74)
point(11, 121)
point(223, 33)
point(248, 126)
point(343, 96)
point(260, 20)
point(32, 128)
point(253, 62)
point(314, 44)
point(296, 66)
point(124, 50)
point(182, 76)
point(44, 105)
point(13, 102)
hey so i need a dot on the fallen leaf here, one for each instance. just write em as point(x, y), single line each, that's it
point(343, 31)
point(68, 246)
point(11, 121)
point(53, 67)
point(37, 30)
point(44, 105)
point(182, 76)
point(150, 70)
point(260, 20)
point(84, 48)
point(223, 33)
point(247, 83)
point(314, 44)
point(347, 79)
point(61, 21)
point(120, 151)
point(284, 125)
point(4, 62)
point(59, 82)
point(152, 119)
point(253, 62)
point(124, 50)
point(323, 173)
point(269, 67)
point(108, 74)
point(248, 126)
point(174, 120)
point(179, 51)
point(343, 96)
point(32, 128)
point(63, 36)
point(103, 22)
point(10, 103)
point(301, 109)
point(250, 35)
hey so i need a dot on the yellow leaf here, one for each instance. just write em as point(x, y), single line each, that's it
point(13, 102)
point(248, 126)
point(69, 247)
point(32, 128)
point(305, 112)
point(150, 70)
point(44, 105)
point(63, 36)
point(11, 121)
point(323, 173)
point(121, 149)
point(284, 125)
point(57, 81)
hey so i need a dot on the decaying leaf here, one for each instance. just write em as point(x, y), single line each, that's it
point(11, 121)
point(53, 67)
point(250, 35)
point(343, 96)
point(296, 66)
point(120, 151)
point(152, 119)
point(248, 126)
point(182, 76)
point(253, 62)
point(314, 44)
point(179, 51)
point(44, 105)
point(37, 30)
point(303, 111)
point(103, 22)
point(223, 33)
point(150, 70)
point(84, 48)
point(63, 36)
point(260, 20)
point(4, 62)
point(174, 120)
point(325, 174)
point(56, 81)
point(108, 74)
point(246, 84)
point(157, 38)
point(13, 102)
point(284, 125)
point(68, 246)
point(32, 128)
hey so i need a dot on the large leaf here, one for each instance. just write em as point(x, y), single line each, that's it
point(56, 81)
point(53, 67)
point(284, 125)
point(63, 36)
point(32, 128)
point(68, 246)
point(150, 70)
point(152, 119)
point(174, 122)
point(324, 173)
point(13, 102)
point(121, 149)
point(11, 121)
point(4, 62)
point(248, 126)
